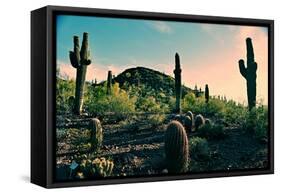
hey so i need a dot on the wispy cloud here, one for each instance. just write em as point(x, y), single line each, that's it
point(160, 26)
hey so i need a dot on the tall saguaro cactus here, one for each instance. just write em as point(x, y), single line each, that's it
point(206, 93)
point(177, 73)
point(80, 59)
point(109, 82)
point(250, 74)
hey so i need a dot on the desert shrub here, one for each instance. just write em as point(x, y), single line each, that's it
point(210, 131)
point(193, 104)
point(214, 107)
point(98, 102)
point(235, 113)
point(256, 122)
point(65, 89)
point(156, 119)
point(189, 101)
point(199, 148)
point(148, 104)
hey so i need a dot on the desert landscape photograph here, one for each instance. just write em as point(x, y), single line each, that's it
point(138, 98)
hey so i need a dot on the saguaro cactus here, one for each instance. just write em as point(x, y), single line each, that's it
point(109, 82)
point(80, 59)
point(250, 74)
point(206, 93)
point(177, 73)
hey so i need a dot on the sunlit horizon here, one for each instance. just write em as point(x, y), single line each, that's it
point(209, 53)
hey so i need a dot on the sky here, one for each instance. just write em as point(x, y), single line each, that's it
point(209, 53)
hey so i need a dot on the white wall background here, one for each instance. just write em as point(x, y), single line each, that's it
point(15, 95)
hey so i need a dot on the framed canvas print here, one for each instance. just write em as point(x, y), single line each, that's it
point(125, 96)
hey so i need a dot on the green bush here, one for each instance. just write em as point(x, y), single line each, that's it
point(156, 119)
point(256, 122)
point(65, 89)
point(210, 131)
point(199, 148)
point(148, 104)
point(235, 113)
point(214, 107)
point(98, 102)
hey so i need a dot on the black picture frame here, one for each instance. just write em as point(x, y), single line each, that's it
point(43, 55)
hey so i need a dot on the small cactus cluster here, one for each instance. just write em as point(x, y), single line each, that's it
point(99, 167)
point(198, 121)
point(80, 59)
point(176, 148)
point(186, 121)
point(96, 134)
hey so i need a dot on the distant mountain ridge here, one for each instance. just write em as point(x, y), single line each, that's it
point(150, 78)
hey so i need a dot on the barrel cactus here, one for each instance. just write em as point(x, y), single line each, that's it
point(186, 121)
point(250, 74)
point(176, 148)
point(188, 124)
point(80, 59)
point(96, 134)
point(199, 120)
point(208, 122)
point(190, 114)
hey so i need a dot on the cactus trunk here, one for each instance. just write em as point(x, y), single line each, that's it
point(79, 92)
point(206, 93)
point(109, 82)
point(250, 74)
point(80, 60)
point(178, 91)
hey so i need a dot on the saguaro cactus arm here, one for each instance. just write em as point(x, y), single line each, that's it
point(85, 52)
point(75, 55)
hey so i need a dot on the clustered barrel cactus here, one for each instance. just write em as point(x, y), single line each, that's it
point(206, 93)
point(99, 167)
point(250, 73)
point(178, 91)
point(96, 134)
point(80, 59)
point(109, 82)
point(176, 148)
